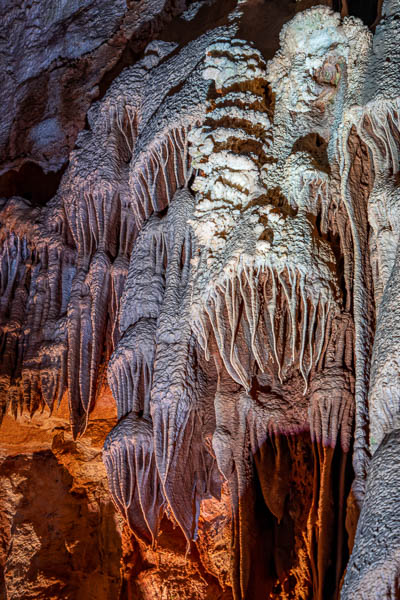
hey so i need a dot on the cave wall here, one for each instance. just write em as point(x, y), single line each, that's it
point(198, 277)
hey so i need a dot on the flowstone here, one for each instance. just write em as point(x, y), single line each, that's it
point(223, 251)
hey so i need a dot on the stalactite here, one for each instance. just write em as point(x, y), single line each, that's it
point(120, 268)
point(163, 251)
point(157, 172)
point(255, 445)
point(32, 264)
point(215, 246)
point(59, 297)
point(81, 242)
point(377, 126)
point(132, 475)
point(145, 284)
point(180, 453)
point(259, 327)
point(130, 369)
point(331, 409)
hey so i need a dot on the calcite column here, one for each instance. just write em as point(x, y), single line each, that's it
point(374, 569)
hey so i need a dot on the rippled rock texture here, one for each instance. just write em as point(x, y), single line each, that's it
point(199, 328)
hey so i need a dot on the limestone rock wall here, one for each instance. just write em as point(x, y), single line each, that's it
point(198, 300)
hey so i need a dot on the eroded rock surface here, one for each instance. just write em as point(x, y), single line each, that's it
point(204, 298)
point(55, 57)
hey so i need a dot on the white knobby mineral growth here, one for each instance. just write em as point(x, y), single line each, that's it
point(254, 250)
point(265, 284)
point(229, 145)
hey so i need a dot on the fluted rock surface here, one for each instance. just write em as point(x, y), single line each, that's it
point(198, 308)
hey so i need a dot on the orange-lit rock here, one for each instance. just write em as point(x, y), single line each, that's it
point(58, 525)
point(61, 537)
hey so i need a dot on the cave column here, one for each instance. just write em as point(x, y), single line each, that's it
point(374, 569)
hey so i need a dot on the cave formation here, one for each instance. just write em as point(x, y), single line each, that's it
point(199, 322)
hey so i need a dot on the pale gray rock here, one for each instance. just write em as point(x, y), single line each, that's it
point(373, 570)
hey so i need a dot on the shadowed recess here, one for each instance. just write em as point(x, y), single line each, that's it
point(367, 10)
point(31, 182)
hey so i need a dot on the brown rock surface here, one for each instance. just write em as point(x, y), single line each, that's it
point(61, 537)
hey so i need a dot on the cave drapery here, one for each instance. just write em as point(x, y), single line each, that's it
point(222, 253)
